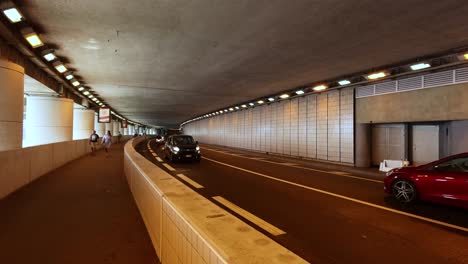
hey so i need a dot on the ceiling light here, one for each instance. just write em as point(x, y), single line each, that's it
point(284, 96)
point(299, 92)
point(231, 109)
point(60, 67)
point(376, 75)
point(81, 88)
point(32, 37)
point(260, 102)
point(225, 110)
point(237, 108)
point(86, 92)
point(90, 96)
point(48, 55)
point(271, 99)
point(76, 83)
point(344, 82)
point(251, 104)
point(69, 76)
point(465, 56)
point(420, 66)
point(320, 87)
point(13, 15)
point(94, 99)
point(243, 106)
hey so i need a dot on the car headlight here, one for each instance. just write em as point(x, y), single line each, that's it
point(176, 149)
point(197, 148)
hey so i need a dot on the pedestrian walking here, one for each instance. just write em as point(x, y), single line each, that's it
point(107, 140)
point(93, 141)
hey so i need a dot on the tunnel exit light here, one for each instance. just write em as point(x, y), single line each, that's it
point(420, 66)
point(13, 15)
point(376, 75)
point(320, 87)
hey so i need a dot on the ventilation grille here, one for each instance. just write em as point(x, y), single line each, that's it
point(461, 75)
point(410, 83)
point(386, 87)
point(418, 82)
point(365, 91)
point(438, 79)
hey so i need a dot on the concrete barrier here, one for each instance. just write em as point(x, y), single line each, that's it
point(21, 166)
point(185, 227)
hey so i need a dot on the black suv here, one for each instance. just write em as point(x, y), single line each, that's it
point(181, 147)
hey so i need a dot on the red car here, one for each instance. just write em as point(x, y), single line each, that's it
point(444, 181)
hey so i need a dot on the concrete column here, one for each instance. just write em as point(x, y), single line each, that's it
point(99, 127)
point(363, 145)
point(48, 120)
point(11, 105)
point(109, 127)
point(116, 128)
point(83, 123)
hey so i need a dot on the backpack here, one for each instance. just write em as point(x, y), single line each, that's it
point(94, 137)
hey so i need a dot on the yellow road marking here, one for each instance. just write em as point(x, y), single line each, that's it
point(251, 217)
point(190, 181)
point(169, 167)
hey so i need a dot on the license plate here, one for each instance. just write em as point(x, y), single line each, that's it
point(188, 156)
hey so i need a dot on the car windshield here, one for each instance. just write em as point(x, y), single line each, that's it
point(455, 165)
point(183, 140)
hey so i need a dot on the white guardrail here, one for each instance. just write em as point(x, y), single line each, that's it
point(185, 227)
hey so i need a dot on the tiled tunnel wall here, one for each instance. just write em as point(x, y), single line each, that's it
point(316, 126)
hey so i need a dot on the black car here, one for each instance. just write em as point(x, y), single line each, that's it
point(181, 147)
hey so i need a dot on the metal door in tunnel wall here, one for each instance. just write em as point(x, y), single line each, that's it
point(388, 142)
point(425, 144)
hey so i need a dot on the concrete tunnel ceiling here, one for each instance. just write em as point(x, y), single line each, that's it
point(162, 62)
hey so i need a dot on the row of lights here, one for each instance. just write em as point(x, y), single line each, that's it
point(322, 87)
point(15, 16)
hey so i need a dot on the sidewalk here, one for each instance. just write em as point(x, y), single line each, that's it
point(373, 173)
point(82, 212)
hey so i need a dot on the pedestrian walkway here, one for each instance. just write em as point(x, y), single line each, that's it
point(82, 212)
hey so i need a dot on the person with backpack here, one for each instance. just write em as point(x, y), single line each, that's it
point(93, 141)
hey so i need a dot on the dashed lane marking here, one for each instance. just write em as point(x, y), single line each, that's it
point(169, 167)
point(345, 197)
point(154, 154)
point(190, 181)
point(159, 159)
point(251, 217)
point(292, 165)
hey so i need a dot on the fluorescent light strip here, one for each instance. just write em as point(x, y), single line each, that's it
point(420, 66)
point(284, 96)
point(299, 92)
point(376, 75)
point(320, 87)
point(344, 82)
point(13, 15)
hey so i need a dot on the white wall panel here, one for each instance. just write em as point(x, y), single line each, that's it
point(312, 126)
point(347, 126)
point(318, 126)
point(294, 125)
point(322, 126)
point(333, 114)
point(302, 127)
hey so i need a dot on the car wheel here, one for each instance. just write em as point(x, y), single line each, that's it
point(404, 191)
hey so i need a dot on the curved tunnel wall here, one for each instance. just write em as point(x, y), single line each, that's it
point(316, 126)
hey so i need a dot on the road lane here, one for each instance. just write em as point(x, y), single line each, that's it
point(320, 228)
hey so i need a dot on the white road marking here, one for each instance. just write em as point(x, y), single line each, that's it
point(190, 181)
point(251, 217)
point(169, 167)
point(345, 197)
point(154, 154)
point(159, 159)
point(306, 168)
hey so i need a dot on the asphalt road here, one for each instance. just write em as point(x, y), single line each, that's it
point(323, 216)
